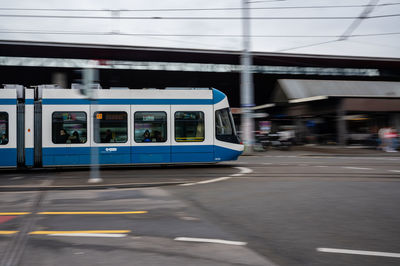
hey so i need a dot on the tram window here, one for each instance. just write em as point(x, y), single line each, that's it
point(69, 127)
point(189, 126)
point(111, 127)
point(224, 129)
point(223, 122)
point(150, 127)
point(3, 128)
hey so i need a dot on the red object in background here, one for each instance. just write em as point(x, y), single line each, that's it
point(391, 135)
point(7, 218)
point(102, 62)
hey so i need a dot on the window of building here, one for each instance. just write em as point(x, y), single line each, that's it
point(69, 127)
point(189, 126)
point(110, 127)
point(3, 128)
point(150, 127)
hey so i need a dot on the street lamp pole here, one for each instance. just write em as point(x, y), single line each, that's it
point(89, 76)
point(246, 85)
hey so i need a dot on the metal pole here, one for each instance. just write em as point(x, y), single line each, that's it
point(88, 79)
point(246, 86)
point(341, 124)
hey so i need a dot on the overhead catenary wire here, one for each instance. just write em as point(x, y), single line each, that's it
point(191, 9)
point(194, 17)
point(306, 46)
point(192, 35)
point(127, 16)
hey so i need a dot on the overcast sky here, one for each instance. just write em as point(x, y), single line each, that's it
point(377, 46)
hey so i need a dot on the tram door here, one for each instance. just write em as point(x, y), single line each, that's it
point(151, 142)
point(8, 128)
point(193, 133)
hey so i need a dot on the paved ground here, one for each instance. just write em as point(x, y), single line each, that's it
point(113, 177)
point(276, 208)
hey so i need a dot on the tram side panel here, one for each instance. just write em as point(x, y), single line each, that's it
point(8, 128)
point(65, 126)
point(111, 131)
point(151, 139)
point(193, 139)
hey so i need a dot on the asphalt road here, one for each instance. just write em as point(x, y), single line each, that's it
point(281, 208)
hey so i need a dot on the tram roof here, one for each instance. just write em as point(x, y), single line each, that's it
point(153, 54)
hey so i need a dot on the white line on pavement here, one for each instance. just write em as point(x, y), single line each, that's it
point(207, 181)
point(208, 240)
point(17, 178)
point(394, 171)
point(359, 252)
point(214, 180)
point(357, 168)
point(321, 166)
point(243, 171)
point(90, 235)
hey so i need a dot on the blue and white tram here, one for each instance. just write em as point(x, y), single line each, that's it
point(60, 127)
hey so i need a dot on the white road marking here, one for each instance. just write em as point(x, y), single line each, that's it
point(89, 235)
point(243, 171)
point(359, 252)
point(209, 240)
point(357, 168)
point(17, 178)
point(394, 171)
point(208, 181)
point(321, 166)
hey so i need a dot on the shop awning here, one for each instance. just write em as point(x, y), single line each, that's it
point(296, 90)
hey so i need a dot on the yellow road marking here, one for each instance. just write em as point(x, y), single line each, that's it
point(80, 232)
point(14, 213)
point(93, 212)
point(8, 232)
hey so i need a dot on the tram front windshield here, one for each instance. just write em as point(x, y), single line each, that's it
point(224, 127)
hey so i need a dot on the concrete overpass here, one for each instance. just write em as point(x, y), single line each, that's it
point(35, 63)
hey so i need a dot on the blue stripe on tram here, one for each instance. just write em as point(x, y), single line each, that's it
point(138, 154)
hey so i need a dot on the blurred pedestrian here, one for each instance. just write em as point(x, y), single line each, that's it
point(383, 143)
point(391, 136)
